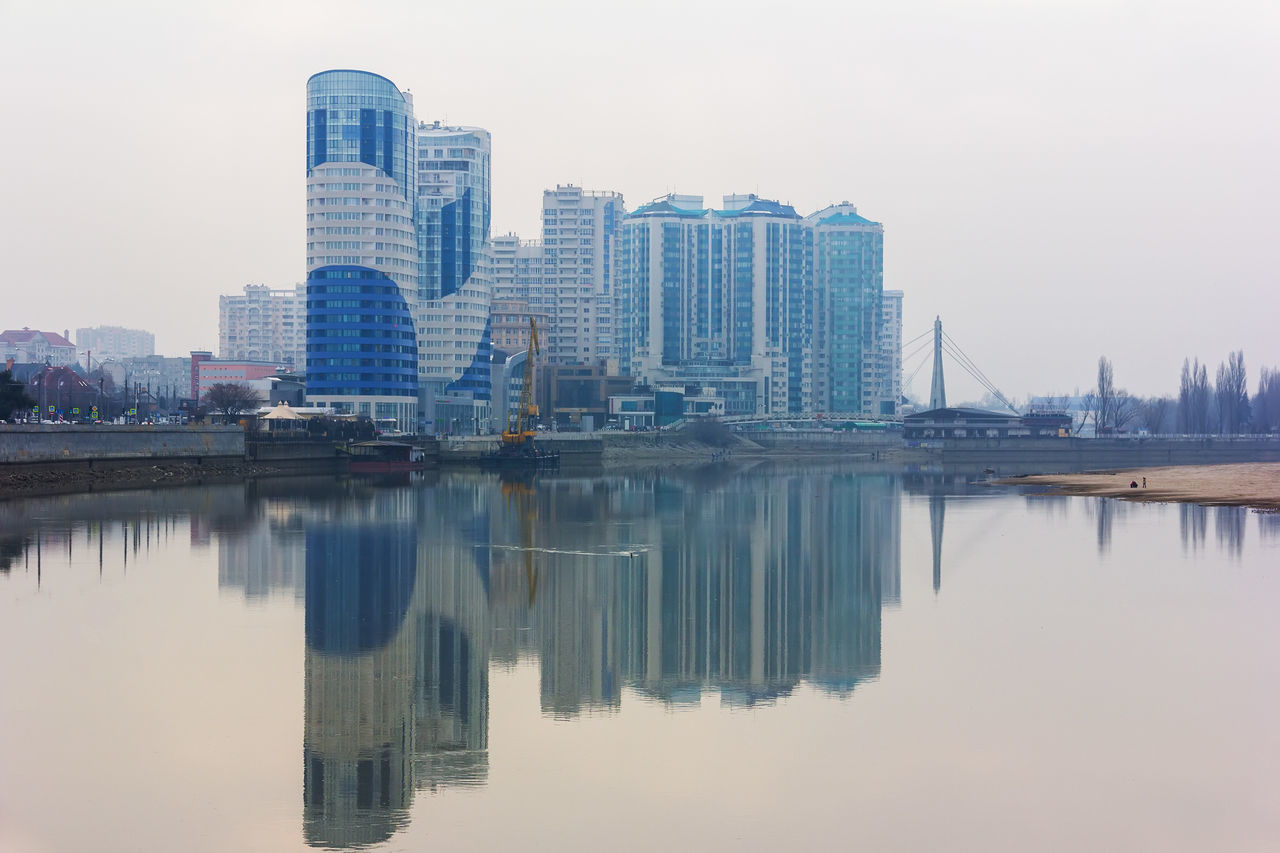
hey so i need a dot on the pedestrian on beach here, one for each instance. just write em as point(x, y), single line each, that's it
point(1144, 482)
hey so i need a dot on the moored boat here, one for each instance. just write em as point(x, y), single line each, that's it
point(382, 457)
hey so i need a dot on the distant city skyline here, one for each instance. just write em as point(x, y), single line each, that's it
point(1058, 182)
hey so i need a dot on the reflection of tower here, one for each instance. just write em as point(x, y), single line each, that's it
point(576, 608)
point(268, 557)
point(937, 515)
point(751, 590)
point(856, 551)
point(451, 676)
point(358, 731)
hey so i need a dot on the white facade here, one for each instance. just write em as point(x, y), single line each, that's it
point(578, 232)
point(263, 324)
point(115, 342)
point(890, 369)
point(452, 315)
point(357, 215)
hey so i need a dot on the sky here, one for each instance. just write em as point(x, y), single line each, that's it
point(1058, 179)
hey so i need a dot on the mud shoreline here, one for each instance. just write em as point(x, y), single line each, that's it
point(1251, 484)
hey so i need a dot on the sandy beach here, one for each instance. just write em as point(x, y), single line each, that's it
point(1253, 484)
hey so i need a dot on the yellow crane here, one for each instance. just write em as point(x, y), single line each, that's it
point(519, 434)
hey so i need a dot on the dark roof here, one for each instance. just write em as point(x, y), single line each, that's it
point(22, 336)
point(954, 414)
point(664, 207)
point(761, 207)
point(846, 219)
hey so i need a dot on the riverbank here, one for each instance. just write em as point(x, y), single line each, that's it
point(1251, 484)
point(27, 481)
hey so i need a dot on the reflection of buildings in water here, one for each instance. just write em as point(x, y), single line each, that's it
point(358, 731)
point(1228, 526)
point(578, 640)
point(397, 659)
point(267, 557)
point(748, 589)
point(1193, 525)
point(861, 572)
point(451, 666)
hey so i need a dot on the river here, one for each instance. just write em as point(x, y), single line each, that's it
point(722, 657)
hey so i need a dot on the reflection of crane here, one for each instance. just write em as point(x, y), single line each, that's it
point(518, 437)
point(521, 491)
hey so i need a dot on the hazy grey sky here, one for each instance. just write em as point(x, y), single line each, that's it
point(1058, 179)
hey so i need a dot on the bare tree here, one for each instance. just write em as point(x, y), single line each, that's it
point(1088, 406)
point(1193, 398)
point(1154, 411)
point(1232, 394)
point(1105, 396)
point(1266, 403)
point(1125, 409)
point(231, 398)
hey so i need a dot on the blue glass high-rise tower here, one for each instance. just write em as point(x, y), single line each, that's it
point(362, 269)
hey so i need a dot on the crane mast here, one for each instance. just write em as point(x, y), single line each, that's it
point(518, 436)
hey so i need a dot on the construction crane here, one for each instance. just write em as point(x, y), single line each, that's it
point(517, 438)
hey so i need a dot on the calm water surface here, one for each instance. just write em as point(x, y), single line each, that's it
point(710, 659)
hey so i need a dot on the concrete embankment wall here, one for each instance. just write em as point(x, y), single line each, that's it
point(1105, 452)
point(25, 444)
point(822, 441)
point(576, 449)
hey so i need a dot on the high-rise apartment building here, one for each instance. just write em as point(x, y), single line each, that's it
point(848, 277)
point(779, 314)
point(720, 299)
point(890, 378)
point(517, 268)
point(263, 324)
point(454, 340)
point(391, 200)
point(362, 247)
point(578, 232)
point(106, 343)
point(567, 275)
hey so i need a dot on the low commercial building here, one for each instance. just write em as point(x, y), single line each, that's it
point(577, 396)
point(663, 407)
point(952, 423)
point(255, 374)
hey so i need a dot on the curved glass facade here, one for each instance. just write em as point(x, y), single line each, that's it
point(358, 117)
point(360, 338)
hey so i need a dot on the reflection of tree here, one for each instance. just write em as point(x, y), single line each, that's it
point(1269, 525)
point(1105, 508)
point(12, 549)
point(1228, 525)
point(1193, 525)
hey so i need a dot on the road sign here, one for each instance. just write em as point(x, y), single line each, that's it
point(51, 410)
point(75, 410)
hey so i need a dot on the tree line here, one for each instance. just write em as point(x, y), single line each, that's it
point(1223, 407)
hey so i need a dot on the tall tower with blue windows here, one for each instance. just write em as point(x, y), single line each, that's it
point(851, 376)
point(362, 270)
point(454, 285)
